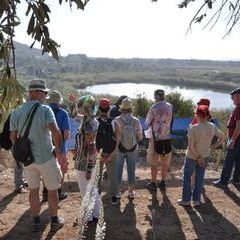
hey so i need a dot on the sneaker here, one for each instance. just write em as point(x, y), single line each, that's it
point(219, 184)
point(118, 196)
point(20, 190)
point(183, 203)
point(131, 194)
point(57, 225)
point(114, 200)
point(162, 185)
point(152, 186)
point(197, 203)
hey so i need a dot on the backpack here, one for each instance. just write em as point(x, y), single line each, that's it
point(5, 141)
point(128, 141)
point(22, 147)
point(105, 138)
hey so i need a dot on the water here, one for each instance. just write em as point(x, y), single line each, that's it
point(218, 100)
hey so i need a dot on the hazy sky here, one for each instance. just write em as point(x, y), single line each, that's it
point(134, 28)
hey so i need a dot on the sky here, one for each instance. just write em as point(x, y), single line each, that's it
point(134, 28)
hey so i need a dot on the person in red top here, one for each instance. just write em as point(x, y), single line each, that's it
point(232, 157)
point(205, 102)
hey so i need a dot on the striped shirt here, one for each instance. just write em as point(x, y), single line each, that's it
point(201, 135)
point(86, 151)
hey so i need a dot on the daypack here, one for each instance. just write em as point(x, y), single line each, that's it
point(5, 141)
point(105, 138)
point(128, 141)
point(22, 147)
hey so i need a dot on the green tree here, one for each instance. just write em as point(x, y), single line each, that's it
point(182, 108)
point(11, 92)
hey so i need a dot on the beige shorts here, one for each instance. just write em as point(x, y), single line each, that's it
point(49, 172)
point(155, 159)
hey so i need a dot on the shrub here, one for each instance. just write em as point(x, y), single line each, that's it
point(182, 108)
point(141, 105)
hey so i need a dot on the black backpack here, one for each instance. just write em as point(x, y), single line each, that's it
point(105, 139)
point(5, 141)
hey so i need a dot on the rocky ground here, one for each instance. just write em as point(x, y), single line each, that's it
point(149, 216)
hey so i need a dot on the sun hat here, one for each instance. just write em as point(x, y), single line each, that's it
point(126, 104)
point(204, 101)
point(235, 91)
point(54, 97)
point(104, 104)
point(38, 85)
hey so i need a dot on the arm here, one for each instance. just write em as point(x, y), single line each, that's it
point(149, 118)
point(220, 139)
point(66, 134)
point(56, 136)
point(139, 132)
point(13, 136)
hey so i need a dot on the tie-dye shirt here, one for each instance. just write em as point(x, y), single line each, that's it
point(159, 118)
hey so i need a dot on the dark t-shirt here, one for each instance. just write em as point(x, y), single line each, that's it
point(115, 112)
point(235, 116)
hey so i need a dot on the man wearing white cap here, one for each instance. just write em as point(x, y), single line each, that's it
point(45, 166)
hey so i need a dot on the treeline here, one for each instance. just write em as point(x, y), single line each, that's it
point(79, 71)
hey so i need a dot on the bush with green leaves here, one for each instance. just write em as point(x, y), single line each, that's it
point(141, 106)
point(183, 108)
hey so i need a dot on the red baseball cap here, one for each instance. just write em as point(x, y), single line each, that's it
point(104, 104)
point(202, 111)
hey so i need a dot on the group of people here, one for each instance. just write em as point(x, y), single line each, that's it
point(114, 134)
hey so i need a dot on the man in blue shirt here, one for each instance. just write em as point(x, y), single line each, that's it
point(45, 167)
point(54, 100)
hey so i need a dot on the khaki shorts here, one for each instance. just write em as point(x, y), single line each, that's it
point(49, 172)
point(155, 159)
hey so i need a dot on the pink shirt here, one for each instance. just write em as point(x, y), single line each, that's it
point(159, 118)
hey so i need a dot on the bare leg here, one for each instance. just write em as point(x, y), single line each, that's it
point(34, 201)
point(53, 202)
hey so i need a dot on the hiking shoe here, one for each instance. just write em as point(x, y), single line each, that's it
point(57, 224)
point(152, 186)
point(131, 194)
point(197, 203)
point(20, 190)
point(62, 196)
point(219, 184)
point(114, 200)
point(162, 185)
point(183, 203)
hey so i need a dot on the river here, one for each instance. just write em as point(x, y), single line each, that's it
point(218, 100)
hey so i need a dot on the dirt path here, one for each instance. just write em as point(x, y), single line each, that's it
point(148, 216)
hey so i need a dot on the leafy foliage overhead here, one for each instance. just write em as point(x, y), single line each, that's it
point(38, 11)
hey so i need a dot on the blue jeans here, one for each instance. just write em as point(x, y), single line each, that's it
point(192, 193)
point(232, 158)
point(130, 159)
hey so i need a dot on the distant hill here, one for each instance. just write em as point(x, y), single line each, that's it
point(78, 70)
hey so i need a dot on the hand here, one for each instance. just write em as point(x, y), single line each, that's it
point(88, 175)
point(230, 144)
point(201, 162)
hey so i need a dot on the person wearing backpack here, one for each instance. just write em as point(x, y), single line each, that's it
point(41, 134)
point(54, 99)
point(6, 143)
point(130, 135)
point(106, 140)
